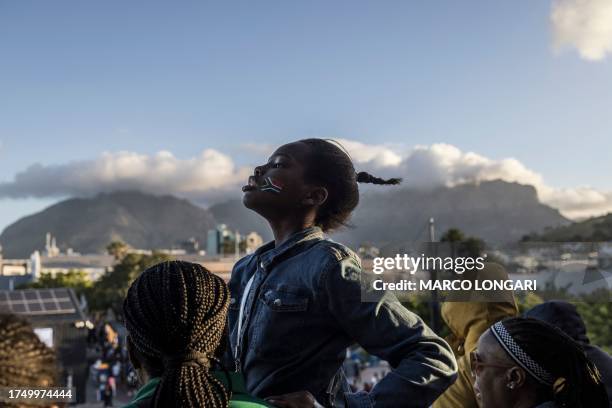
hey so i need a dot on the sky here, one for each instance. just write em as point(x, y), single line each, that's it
point(185, 97)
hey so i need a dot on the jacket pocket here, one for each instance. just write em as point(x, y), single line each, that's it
point(280, 321)
point(280, 300)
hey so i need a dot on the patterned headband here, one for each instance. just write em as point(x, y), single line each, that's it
point(516, 352)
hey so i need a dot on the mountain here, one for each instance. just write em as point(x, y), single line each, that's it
point(495, 211)
point(88, 224)
point(387, 216)
point(594, 229)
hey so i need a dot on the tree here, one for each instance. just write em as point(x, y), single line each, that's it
point(472, 247)
point(112, 288)
point(452, 235)
point(118, 249)
point(75, 279)
point(462, 245)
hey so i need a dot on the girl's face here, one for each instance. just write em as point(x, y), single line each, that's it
point(489, 365)
point(277, 189)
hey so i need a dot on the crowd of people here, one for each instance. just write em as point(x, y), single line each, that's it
point(277, 333)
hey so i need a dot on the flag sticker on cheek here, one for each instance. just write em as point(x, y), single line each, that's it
point(273, 186)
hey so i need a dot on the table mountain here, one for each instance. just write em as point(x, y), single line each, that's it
point(496, 211)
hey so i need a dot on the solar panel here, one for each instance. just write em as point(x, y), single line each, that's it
point(38, 301)
point(45, 294)
point(30, 295)
point(19, 308)
point(14, 296)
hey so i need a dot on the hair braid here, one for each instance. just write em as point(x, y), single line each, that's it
point(173, 310)
point(330, 166)
point(365, 177)
point(578, 383)
point(25, 361)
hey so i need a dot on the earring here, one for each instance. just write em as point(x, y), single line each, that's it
point(510, 385)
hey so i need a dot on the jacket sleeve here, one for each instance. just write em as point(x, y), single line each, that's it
point(423, 363)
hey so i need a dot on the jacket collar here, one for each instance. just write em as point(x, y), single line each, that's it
point(268, 253)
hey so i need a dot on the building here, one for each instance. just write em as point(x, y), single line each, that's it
point(213, 242)
point(222, 241)
point(51, 248)
point(15, 272)
point(253, 241)
point(191, 246)
point(216, 238)
point(93, 265)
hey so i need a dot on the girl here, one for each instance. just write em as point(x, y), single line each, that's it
point(528, 363)
point(175, 315)
point(297, 301)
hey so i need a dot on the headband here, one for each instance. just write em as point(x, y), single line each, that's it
point(519, 356)
point(194, 358)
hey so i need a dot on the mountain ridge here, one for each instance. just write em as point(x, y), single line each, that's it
point(495, 211)
point(88, 224)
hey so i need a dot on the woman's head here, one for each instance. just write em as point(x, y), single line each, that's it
point(310, 178)
point(175, 315)
point(25, 361)
point(530, 361)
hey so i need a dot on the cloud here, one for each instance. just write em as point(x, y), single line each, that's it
point(446, 165)
point(213, 176)
point(210, 174)
point(371, 155)
point(577, 203)
point(585, 25)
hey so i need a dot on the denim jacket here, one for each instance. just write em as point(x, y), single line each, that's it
point(304, 309)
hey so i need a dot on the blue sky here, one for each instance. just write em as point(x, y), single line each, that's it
point(82, 78)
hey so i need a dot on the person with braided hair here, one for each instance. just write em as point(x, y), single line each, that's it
point(297, 301)
point(566, 317)
point(175, 315)
point(528, 363)
point(25, 361)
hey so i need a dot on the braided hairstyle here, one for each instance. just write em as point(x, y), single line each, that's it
point(331, 166)
point(578, 383)
point(25, 361)
point(175, 313)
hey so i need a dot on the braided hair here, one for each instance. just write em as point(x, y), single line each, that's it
point(25, 361)
point(331, 166)
point(175, 313)
point(577, 382)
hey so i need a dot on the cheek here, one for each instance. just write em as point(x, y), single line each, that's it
point(486, 386)
point(272, 185)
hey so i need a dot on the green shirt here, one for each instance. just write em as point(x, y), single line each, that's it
point(240, 397)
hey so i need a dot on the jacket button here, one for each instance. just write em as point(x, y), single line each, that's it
point(277, 302)
point(262, 266)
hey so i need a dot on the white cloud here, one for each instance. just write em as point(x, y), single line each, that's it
point(207, 175)
point(577, 203)
point(212, 175)
point(583, 24)
point(446, 165)
point(373, 155)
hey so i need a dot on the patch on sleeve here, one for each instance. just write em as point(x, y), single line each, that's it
point(350, 268)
